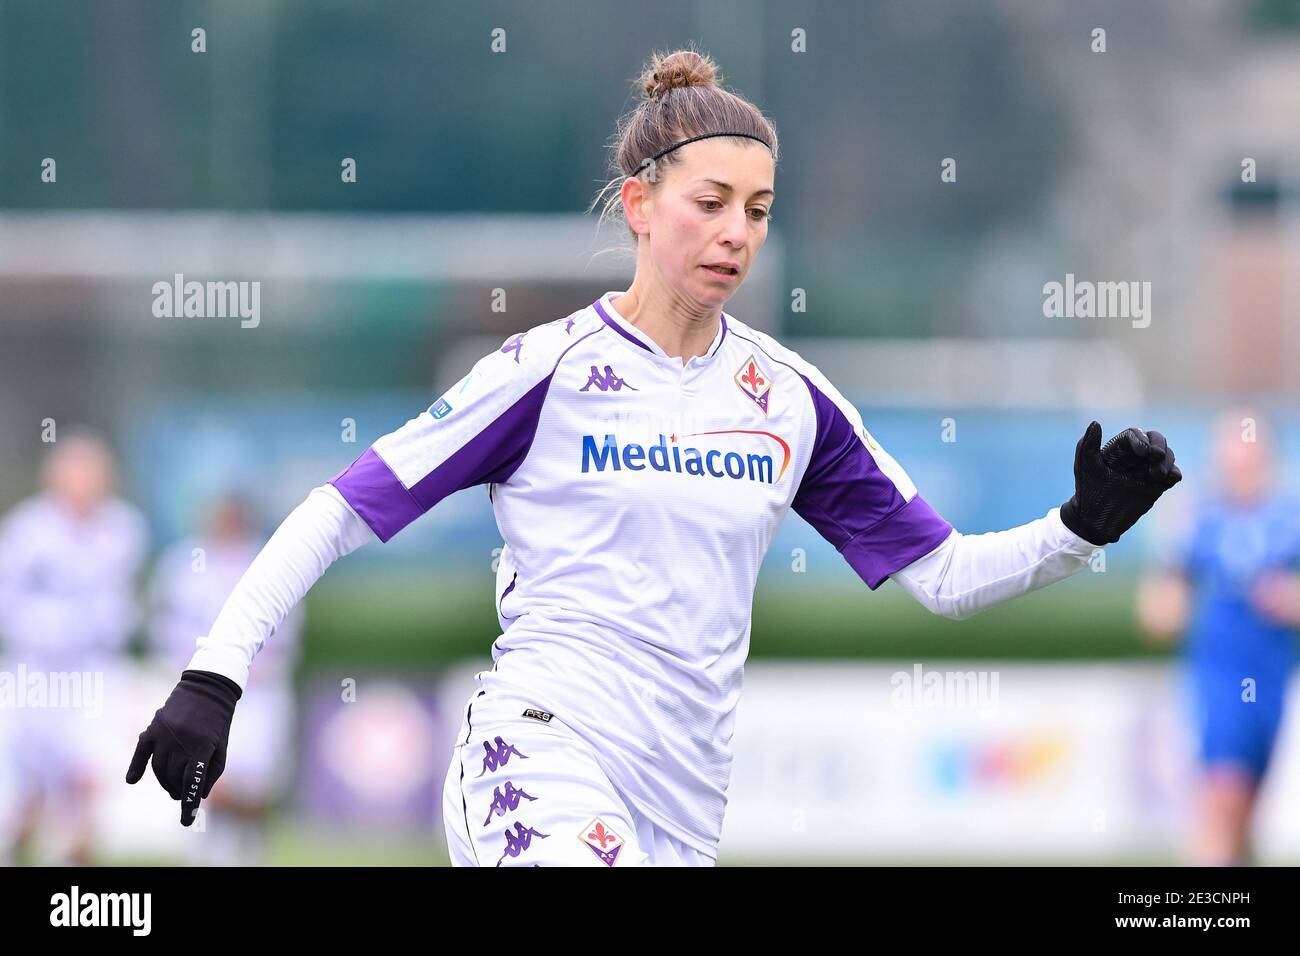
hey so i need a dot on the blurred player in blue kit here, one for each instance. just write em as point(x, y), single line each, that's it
point(1231, 586)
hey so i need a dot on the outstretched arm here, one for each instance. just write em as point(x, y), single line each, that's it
point(187, 738)
point(1163, 602)
point(402, 475)
point(1277, 597)
point(315, 534)
point(1114, 486)
point(969, 573)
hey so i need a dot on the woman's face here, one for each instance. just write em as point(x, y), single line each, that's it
point(79, 473)
point(710, 208)
point(1245, 466)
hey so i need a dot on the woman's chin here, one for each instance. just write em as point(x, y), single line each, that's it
point(715, 296)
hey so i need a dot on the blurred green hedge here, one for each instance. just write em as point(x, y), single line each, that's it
point(382, 620)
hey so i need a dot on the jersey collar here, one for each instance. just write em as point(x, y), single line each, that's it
point(604, 307)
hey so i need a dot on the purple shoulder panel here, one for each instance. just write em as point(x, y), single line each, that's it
point(491, 455)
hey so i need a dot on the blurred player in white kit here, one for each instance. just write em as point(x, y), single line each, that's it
point(192, 580)
point(69, 556)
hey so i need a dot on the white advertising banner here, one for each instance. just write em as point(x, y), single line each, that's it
point(976, 761)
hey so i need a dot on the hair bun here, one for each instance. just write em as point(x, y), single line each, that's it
point(678, 69)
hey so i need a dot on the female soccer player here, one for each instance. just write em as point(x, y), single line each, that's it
point(639, 454)
point(69, 557)
point(1233, 585)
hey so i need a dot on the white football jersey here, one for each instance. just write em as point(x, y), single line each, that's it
point(637, 496)
point(67, 583)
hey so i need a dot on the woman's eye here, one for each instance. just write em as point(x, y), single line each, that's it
point(708, 205)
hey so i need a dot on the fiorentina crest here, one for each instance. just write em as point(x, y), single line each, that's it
point(602, 841)
point(755, 382)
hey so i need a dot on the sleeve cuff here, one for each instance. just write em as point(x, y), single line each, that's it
point(378, 497)
point(911, 532)
point(1068, 540)
point(227, 662)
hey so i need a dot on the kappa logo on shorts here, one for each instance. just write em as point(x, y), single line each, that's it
point(519, 841)
point(602, 841)
point(508, 802)
point(495, 759)
point(541, 715)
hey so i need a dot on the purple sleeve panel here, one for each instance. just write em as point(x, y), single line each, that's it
point(491, 455)
point(369, 486)
point(911, 532)
point(857, 507)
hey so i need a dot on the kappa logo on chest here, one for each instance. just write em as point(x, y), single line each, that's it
point(607, 381)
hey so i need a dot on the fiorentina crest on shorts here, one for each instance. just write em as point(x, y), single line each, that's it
point(602, 841)
point(755, 382)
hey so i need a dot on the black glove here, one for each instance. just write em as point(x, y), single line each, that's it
point(1116, 485)
point(187, 739)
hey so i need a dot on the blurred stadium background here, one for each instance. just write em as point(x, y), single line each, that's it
point(921, 299)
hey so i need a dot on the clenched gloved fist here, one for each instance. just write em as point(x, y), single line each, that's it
point(1117, 484)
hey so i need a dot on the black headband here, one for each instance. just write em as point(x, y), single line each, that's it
point(664, 152)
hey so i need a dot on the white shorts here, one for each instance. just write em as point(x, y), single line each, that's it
point(525, 791)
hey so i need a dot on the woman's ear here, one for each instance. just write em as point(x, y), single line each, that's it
point(638, 204)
